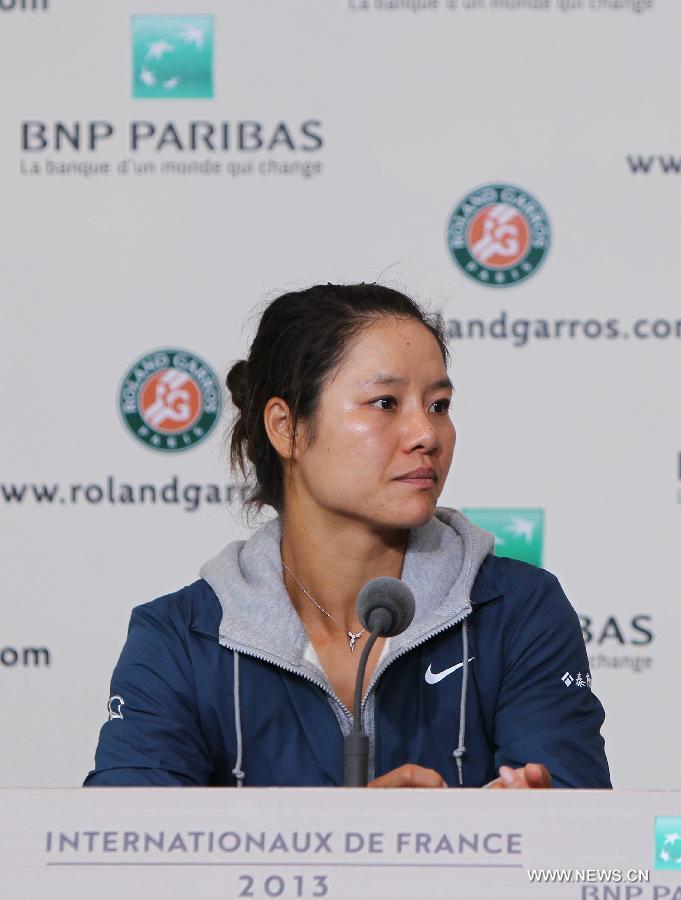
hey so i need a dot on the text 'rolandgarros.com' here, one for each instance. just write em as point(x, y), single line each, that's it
point(521, 332)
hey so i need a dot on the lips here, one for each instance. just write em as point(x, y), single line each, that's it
point(419, 475)
point(421, 478)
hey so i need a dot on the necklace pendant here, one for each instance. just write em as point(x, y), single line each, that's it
point(352, 638)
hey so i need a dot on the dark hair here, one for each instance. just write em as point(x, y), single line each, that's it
point(302, 337)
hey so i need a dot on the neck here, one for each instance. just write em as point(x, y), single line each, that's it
point(333, 557)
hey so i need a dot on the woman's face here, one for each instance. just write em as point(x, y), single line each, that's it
point(383, 416)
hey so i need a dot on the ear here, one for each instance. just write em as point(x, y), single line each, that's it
point(277, 420)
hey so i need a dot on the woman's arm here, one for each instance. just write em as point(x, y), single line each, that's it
point(546, 712)
point(153, 736)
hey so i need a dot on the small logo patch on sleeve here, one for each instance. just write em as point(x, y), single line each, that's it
point(113, 706)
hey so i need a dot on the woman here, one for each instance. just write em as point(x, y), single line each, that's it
point(246, 676)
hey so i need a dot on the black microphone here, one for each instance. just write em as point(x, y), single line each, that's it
point(385, 607)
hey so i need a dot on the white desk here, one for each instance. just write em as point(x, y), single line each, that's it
point(337, 843)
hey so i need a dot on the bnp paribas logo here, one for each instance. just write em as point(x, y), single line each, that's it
point(172, 56)
point(518, 533)
point(498, 234)
point(668, 842)
point(170, 399)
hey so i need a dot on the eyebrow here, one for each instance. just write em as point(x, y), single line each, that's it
point(387, 378)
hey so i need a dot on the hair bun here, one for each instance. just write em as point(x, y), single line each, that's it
point(237, 383)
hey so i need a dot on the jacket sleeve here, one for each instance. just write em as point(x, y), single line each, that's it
point(546, 712)
point(153, 735)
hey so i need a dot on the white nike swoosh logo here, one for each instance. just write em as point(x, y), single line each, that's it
point(434, 677)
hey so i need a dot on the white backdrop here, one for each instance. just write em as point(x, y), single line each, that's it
point(393, 112)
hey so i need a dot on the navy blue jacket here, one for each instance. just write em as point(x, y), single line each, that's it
point(172, 712)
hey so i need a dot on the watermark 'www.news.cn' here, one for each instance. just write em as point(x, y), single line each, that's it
point(588, 876)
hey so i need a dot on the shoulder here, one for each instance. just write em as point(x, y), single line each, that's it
point(511, 574)
point(519, 588)
point(194, 607)
point(523, 611)
point(510, 578)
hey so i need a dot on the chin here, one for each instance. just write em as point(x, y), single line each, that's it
point(414, 514)
point(418, 520)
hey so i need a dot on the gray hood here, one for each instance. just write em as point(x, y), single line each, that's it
point(440, 566)
point(258, 618)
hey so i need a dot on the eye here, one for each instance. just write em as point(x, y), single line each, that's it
point(384, 400)
point(444, 405)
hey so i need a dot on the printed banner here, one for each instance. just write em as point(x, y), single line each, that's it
point(512, 164)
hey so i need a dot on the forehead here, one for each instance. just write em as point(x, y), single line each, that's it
point(403, 347)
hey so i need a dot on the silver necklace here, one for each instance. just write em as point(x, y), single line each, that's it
point(353, 636)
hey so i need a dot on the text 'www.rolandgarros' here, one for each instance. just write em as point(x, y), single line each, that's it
point(112, 491)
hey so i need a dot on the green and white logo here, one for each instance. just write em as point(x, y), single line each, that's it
point(518, 533)
point(172, 56)
point(498, 234)
point(170, 399)
point(668, 842)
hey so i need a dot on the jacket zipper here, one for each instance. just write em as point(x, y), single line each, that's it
point(247, 651)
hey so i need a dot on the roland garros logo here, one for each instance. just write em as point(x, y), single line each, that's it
point(499, 234)
point(170, 399)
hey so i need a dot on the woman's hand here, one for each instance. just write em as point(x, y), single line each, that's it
point(533, 775)
point(409, 776)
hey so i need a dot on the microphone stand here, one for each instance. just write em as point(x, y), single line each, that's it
point(356, 744)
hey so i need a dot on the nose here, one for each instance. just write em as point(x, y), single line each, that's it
point(420, 432)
